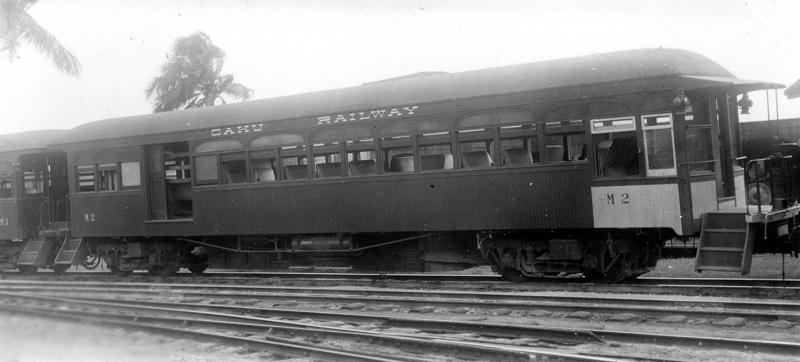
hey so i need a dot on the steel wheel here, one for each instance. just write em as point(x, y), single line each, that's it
point(60, 268)
point(27, 269)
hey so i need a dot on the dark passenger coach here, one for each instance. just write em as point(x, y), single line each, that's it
point(584, 164)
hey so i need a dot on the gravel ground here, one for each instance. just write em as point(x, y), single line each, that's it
point(25, 339)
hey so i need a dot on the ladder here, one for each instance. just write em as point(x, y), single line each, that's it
point(36, 252)
point(726, 242)
point(72, 252)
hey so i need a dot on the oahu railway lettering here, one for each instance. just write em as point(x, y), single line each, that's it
point(366, 115)
point(234, 130)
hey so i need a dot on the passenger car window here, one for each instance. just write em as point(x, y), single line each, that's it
point(131, 174)
point(85, 178)
point(108, 177)
point(206, 171)
point(615, 146)
point(659, 145)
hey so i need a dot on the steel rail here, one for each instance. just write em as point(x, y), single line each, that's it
point(452, 347)
point(561, 304)
point(547, 334)
point(757, 310)
point(275, 345)
point(703, 287)
point(642, 280)
point(577, 335)
point(748, 282)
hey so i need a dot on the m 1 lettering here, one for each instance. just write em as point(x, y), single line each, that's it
point(623, 199)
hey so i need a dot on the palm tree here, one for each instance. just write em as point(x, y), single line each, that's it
point(17, 25)
point(191, 77)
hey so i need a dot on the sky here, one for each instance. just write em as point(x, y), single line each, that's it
point(288, 47)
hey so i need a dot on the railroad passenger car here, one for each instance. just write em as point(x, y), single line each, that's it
point(33, 190)
point(580, 165)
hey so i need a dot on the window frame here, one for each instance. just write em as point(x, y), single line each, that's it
point(93, 169)
point(529, 134)
point(629, 128)
point(195, 173)
point(666, 171)
point(115, 178)
point(7, 184)
point(123, 186)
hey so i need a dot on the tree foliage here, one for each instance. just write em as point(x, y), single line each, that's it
point(191, 77)
point(17, 26)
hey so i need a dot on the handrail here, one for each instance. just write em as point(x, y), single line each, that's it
point(771, 171)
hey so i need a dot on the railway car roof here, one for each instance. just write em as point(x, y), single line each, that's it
point(690, 70)
point(30, 141)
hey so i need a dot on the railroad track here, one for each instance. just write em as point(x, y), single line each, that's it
point(358, 306)
point(177, 320)
point(752, 287)
point(487, 302)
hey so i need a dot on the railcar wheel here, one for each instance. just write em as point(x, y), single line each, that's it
point(27, 269)
point(118, 272)
point(60, 268)
point(513, 276)
point(164, 270)
point(502, 265)
point(198, 269)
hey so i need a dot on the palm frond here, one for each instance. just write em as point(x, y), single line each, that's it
point(26, 28)
point(239, 91)
point(190, 77)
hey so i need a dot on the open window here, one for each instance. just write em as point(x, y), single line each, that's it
point(263, 165)
point(659, 145)
point(435, 151)
point(34, 181)
point(361, 157)
point(520, 145)
point(328, 160)
point(234, 167)
point(109, 177)
point(615, 146)
point(6, 181)
point(398, 154)
point(294, 160)
point(565, 141)
point(475, 147)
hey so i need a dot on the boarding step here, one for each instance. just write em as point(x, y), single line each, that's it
point(726, 243)
point(58, 230)
point(72, 252)
point(36, 252)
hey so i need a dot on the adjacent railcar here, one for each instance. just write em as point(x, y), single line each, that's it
point(33, 191)
point(585, 164)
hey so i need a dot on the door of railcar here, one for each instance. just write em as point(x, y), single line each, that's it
point(169, 181)
point(44, 190)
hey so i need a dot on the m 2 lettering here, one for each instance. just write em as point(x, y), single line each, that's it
point(89, 217)
point(618, 199)
point(4, 221)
